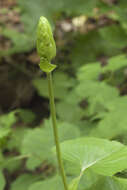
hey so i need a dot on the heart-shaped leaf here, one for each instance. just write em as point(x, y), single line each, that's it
point(102, 156)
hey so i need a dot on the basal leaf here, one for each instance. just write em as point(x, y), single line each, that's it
point(74, 183)
point(101, 156)
point(48, 184)
point(88, 180)
point(24, 181)
point(110, 183)
point(38, 142)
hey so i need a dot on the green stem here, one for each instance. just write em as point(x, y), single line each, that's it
point(53, 114)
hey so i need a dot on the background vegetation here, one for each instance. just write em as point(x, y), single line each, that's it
point(90, 89)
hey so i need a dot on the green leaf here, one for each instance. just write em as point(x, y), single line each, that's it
point(101, 156)
point(72, 100)
point(38, 142)
point(115, 35)
point(6, 121)
point(85, 48)
point(24, 181)
point(115, 121)
point(65, 111)
point(116, 183)
point(62, 84)
point(88, 47)
point(48, 184)
point(110, 183)
point(119, 102)
point(12, 164)
point(97, 93)
point(2, 181)
point(90, 71)
point(116, 62)
point(112, 125)
point(88, 179)
point(16, 138)
point(20, 42)
point(27, 116)
point(74, 183)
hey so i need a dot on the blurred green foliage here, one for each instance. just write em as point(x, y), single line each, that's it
point(90, 105)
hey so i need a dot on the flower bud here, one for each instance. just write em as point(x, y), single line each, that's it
point(46, 47)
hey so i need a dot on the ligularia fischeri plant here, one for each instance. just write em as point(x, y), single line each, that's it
point(46, 49)
point(86, 154)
